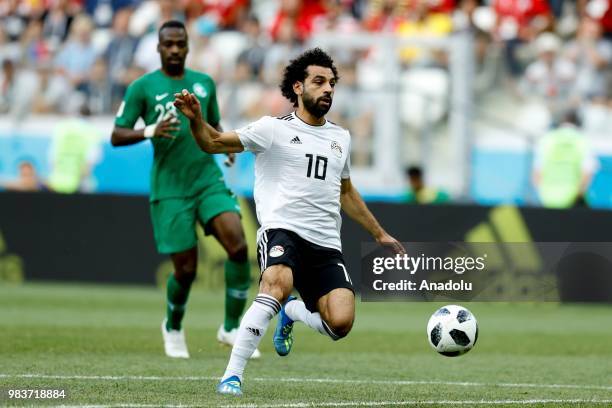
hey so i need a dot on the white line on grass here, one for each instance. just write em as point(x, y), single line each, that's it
point(312, 380)
point(359, 403)
point(417, 402)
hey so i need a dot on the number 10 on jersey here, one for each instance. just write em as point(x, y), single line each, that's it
point(320, 166)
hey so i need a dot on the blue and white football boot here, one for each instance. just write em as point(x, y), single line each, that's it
point(283, 335)
point(230, 386)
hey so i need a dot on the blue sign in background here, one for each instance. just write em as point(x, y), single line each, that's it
point(498, 176)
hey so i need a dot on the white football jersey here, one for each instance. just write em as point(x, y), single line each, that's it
point(298, 169)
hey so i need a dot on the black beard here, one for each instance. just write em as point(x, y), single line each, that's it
point(174, 69)
point(313, 106)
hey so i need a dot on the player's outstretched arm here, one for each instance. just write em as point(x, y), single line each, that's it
point(125, 136)
point(208, 138)
point(355, 207)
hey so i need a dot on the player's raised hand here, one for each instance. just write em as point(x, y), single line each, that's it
point(188, 104)
point(391, 243)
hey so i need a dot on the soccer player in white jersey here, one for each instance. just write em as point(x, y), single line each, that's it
point(302, 179)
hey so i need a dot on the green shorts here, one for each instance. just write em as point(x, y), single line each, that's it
point(174, 219)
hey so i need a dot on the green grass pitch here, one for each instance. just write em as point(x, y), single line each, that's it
point(102, 344)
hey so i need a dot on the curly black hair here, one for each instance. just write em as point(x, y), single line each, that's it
point(296, 70)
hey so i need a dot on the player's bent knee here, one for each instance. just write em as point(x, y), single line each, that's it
point(338, 310)
point(340, 327)
point(185, 270)
point(185, 266)
point(277, 281)
point(185, 276)
point(238, 252)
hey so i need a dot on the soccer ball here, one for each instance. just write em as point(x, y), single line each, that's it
point(452, 330)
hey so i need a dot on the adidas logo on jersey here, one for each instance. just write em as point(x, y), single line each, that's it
point(288, 117)
point(296, 140)
point(256, 332)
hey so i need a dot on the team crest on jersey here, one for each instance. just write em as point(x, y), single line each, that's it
point(336, 149)
point(276, 251)
point(199, 90)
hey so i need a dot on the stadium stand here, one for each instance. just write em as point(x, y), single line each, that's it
point(533, 61)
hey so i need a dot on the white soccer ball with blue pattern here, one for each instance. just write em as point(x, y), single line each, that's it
point(452, 330)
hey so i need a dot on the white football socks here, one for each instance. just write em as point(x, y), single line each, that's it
point(296, 310)
point(252, 328)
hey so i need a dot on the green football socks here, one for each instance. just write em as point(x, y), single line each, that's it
point(176, 299)
point(237, 282)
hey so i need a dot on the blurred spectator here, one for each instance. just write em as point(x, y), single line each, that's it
point(466, 8)
point(77, 56)
point(420, 21)
point(35, 48)
point(273, 103)
point(13, 18)
point(600, 10)
point(442, 6)
point(474, 17)
point(592, 56)
point(255, 52)
point(551, 77)
point(202, 55)
point(27, 180)
point(226, 13)
point(419, 193)
point(56, 22)
point(119, 55)
point(102, 11)
point(519, 21)
point(7, 85)
point(564, 165)
point(353, 110)
point(98, 95)
point(151, 14)
point(241, 96)
point(50, 91)
point(270, 99)
point(387, 15)
point(606, 21)
point(8, 50)
point(300, 14)
point(597, 113)
point(384, 15)
point(73, 152)
point(337, 19)
point(286, 47)
point(18, 88)
point(146, 57)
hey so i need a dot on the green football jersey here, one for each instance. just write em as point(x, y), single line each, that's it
point(180, 168)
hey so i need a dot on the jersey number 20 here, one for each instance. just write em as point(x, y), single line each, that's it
point(319, 173)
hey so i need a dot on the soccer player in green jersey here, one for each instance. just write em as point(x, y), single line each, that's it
point(186, 185)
